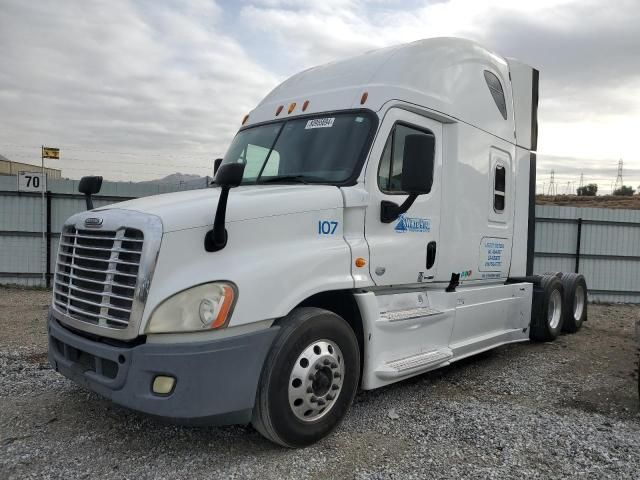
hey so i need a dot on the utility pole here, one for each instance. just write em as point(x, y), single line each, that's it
point(581, 180)
point(43, 218)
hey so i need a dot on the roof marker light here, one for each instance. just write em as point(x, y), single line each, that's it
point(292, 107)
point(364, 97)
point(244, 120)
point(279, 110)
point(305, 105)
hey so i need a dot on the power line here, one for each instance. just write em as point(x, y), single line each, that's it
point(111, 152)
point(147, 164)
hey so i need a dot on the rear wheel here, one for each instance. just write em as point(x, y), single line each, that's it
point(546, 312)
point(575, 302)
point(309, 379)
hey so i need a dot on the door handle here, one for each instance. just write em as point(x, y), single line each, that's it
point(431, 254)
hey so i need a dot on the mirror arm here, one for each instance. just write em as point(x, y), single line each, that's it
point(216, 238)
point(89, 200)
point(390, 211)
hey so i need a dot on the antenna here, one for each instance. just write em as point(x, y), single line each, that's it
point(552, 184)
point(581, 180)
point(619, 183)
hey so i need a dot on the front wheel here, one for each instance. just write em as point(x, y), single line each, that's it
point(309, 379)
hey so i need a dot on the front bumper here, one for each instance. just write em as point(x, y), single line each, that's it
point(216, 381)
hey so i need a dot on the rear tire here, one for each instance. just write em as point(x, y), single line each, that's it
point(309, 378)
point(546, 311)
point(574, 306)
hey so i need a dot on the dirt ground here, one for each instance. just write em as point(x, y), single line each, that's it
point(602, 201)
point(551, 410)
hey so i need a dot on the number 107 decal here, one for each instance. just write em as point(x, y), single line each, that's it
point(326, 227)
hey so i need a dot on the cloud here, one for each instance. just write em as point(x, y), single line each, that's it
point(588, 54)
point(140, 78)
point(164, 84)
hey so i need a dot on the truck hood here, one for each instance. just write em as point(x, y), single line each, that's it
point(197, 208)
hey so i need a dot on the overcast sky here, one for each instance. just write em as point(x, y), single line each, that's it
point(136, 90)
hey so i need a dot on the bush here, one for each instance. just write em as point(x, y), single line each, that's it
point(624, 191)
point(588, 190)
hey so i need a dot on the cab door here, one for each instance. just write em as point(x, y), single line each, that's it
point(404, 251)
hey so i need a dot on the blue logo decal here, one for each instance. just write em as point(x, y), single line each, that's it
point(408, 224)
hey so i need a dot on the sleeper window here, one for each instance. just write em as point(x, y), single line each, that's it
point(390, 170)
point(499, 188)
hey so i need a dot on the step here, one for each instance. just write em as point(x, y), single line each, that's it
point(414, 363)
point(420, 312)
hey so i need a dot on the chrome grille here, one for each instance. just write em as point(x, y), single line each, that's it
point(97, 274)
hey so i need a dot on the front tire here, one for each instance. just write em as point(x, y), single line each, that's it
point(309, 378)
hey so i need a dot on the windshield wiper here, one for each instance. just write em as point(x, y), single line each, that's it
point(291, 178)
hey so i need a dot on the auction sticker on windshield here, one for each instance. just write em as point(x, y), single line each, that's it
point(320, 123)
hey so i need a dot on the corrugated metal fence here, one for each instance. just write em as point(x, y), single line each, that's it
point(22, 255)
point(602, 244)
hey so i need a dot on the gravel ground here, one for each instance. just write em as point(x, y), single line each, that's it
point(554, 410)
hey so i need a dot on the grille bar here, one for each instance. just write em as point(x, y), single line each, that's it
point(91, 292)
point(81, 257)
point(97, 275)
point(93, 237)
point(88, 302)
point(115, 284)
point(93, 270)
point(91, 314)
point(84, 247)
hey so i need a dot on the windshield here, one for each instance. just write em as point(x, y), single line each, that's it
point(322, 149)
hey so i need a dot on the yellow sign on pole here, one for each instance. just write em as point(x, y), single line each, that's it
point(48, 152)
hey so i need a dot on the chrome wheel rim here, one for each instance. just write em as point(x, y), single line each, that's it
point(578, 304)
point(555, 309)
point(316, 380)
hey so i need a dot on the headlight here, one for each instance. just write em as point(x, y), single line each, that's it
point(198, 308)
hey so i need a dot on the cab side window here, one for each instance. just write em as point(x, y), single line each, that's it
point(390, 169)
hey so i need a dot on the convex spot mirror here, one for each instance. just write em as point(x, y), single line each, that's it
point(90, 185)
point(216, 165)
point(417, 164)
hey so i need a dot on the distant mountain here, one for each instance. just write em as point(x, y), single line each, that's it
point(177, 179)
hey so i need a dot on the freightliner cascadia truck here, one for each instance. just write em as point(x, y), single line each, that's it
point(372, 219)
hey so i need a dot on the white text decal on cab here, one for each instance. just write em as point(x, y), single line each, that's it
point(319, 123)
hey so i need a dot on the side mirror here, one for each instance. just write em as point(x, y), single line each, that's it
point(89, 186)
point(417, 164)
point(417, 174)
point(230, 175)
point(216, 165)
point(227, 177)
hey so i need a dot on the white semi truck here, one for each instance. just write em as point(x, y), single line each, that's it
point(372, 219)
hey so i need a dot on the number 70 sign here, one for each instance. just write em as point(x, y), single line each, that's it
point(31, 182)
